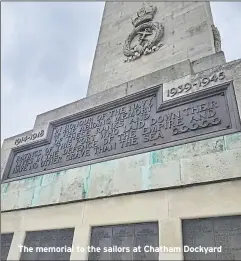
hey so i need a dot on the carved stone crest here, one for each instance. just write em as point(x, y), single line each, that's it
point(146, 35)
point(217, 39)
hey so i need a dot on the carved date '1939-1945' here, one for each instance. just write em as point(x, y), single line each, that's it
point(198, 84)
point(136, 125)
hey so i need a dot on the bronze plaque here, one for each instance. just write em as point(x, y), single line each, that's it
point(6, 240)
point(132, 125)
point(118, 242)
point(48, 245)
point(224, 233)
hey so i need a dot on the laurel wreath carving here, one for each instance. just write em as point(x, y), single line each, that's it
point(149, 47)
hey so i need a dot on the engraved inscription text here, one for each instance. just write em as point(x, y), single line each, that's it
point(203, 82)
point(130, 127)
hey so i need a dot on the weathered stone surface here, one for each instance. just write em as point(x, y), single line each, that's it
point(24, 198)
point(188, 26)
point(4, 158)
point(157, 77)
point(117, 177)
point(208, 62)
point(102, 180)
point(76, 184)
point(166, 168)
point(232, 141)
point(211, 167)
point(164, 175)
point(189, 150)
point(46, 194)
point(237, 84)
point(8, 200)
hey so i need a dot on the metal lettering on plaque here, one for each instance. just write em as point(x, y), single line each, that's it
point(133, 124)
point(121, 242)
point(220, 236)
point(48, 244)
point(6, 240)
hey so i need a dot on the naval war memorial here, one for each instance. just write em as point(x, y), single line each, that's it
point(150, 159)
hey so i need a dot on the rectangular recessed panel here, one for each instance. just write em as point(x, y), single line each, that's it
point(6, 240)
point(48, 244)
point(117, 242)
point(129, 126)
point(223, 233)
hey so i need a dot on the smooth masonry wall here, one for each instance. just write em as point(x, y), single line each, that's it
point(187, 35)
point(167, 207)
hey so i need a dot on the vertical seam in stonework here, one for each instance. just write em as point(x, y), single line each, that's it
point(167, 198)
point(145, 175)
point(16, 202)
point(150, 164)
point(83, 215)
point(180, 170)
point(225, 143)
point(87, 182)
point(6, 187)
point(34, 197)
point(41, 180)
point(126, 90)
point(31, 203)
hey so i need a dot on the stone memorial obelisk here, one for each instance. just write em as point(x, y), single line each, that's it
point(148, 165)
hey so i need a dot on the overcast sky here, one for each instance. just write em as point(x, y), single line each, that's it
point(47, 51)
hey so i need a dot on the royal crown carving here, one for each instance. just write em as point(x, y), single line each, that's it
point(146, 34)
point(145, 14)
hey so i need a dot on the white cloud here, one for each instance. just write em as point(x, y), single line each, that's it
point(6, 85)
point(47, 55)
point(7, 31)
